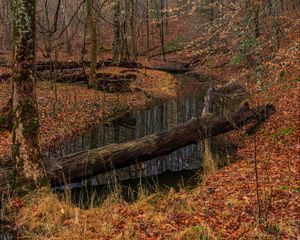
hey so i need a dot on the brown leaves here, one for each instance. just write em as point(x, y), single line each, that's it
point(16, 204)
point(66, 110)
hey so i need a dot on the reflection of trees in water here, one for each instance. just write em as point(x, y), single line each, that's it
point(5, 235)
point(156, 119)
point(152, 120)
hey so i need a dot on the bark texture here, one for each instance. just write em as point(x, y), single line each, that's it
point(26, 148)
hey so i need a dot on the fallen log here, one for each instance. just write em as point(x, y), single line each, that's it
point(82, 165)
point(46, 65)
point(63, 76)
point(104, 81)
point(69, 72)
point(66, 75)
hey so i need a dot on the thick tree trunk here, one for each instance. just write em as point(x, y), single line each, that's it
point(78, 166)
point(256, 21)
point(26, 148)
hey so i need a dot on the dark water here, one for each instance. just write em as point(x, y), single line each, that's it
point(176, 168)
point(6, 233)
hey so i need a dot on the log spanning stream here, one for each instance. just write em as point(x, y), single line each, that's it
point(166, 170)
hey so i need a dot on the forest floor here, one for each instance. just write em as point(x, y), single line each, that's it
point(68, 109)
point(224, 206)
point(239, 201)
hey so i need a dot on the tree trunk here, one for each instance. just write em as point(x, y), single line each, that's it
point(276, 26)
point(93, 40)
point(148, 29)
point(166, 17)
point(67, 31)
point(133, 47)
point(26, 147)
point(162, 31)
point(256, 21)
point(117, 35)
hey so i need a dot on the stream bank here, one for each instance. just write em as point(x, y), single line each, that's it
point(183, 165)
point(66, 110)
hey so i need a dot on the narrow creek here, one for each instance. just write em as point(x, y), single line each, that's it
point(180, 168)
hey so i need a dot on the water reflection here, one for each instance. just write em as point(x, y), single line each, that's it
point(143, 122)
point(6, 236)
point(6, 233)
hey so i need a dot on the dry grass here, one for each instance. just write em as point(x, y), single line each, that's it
point(209, 165)
point(160, 215)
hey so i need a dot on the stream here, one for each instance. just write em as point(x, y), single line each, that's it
point(180, 168)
